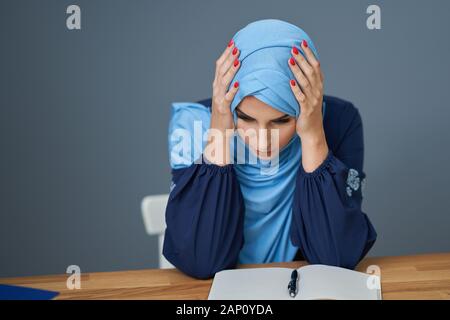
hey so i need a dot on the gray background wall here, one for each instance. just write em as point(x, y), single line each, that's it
point(84, 115)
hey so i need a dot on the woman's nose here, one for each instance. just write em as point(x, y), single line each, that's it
point(263, 139)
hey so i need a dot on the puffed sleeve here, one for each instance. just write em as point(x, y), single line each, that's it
point(328, 224)
point(205, 210)
point(204, 218)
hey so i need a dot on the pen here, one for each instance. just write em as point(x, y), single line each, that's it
point(292, 286)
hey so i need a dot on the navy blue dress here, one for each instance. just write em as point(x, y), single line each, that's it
point(205, 211)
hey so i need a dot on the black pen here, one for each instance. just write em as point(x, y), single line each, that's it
point(292, 286)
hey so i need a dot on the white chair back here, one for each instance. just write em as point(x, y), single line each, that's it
point(153, 212)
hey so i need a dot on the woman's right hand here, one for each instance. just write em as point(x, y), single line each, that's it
point(222, 123)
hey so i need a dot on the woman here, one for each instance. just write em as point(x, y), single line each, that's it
point(301, 197)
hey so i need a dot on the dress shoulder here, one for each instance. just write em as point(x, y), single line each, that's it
point(188, 124)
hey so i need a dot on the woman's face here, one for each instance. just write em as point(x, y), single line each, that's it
point(259, 125)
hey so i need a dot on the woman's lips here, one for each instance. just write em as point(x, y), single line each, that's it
point(264, 153)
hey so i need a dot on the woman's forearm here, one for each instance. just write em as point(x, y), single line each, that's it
point(328, 224)
point(314, 151)
point(204, 217)
point(217, 150)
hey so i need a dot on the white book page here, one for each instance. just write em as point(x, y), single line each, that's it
point(315, 282)
point(327, 282)
point(251, 284)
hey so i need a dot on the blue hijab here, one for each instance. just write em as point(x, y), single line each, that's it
point(268, 190)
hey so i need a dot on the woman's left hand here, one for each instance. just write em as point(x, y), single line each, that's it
point(308, 90)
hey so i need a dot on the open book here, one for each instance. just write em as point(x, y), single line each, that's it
point(314, 282)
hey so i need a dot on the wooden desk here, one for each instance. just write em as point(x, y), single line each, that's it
point(407, 277)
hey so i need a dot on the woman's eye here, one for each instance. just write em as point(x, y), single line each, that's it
point(281, 121)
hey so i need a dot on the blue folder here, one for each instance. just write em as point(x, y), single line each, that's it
point(8, 292)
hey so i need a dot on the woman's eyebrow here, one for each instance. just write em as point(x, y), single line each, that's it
point(244, 114)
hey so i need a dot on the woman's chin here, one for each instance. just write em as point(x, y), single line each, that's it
point(265, 155)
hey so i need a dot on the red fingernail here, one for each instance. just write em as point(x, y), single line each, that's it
point(230, 43)
point(236, 84)
point(295, 50)
point(292, 61)
point(304, 43)
point(293, 83)
point(234, 51)
point(236, 62)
